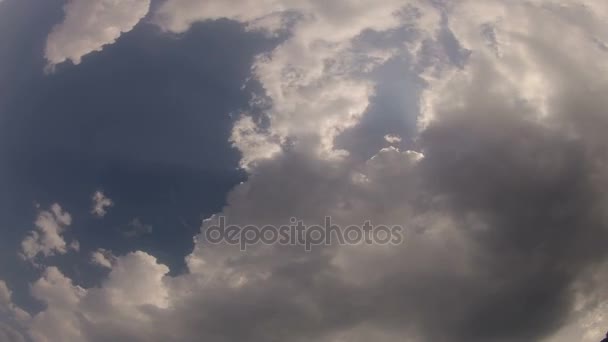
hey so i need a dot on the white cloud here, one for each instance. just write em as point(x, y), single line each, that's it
point(506, 39)
point(103, 258)
point(252, 142)
point(134, 285)
point(89, 25)
point(504, 204)
point(12, 318)
point(100, 204)
point(48, 238)
point(392, 139)
point(7, 306)
point(317, 81)
point(5, 293)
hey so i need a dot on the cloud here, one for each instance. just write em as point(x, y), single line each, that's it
point(103, 258)
point(12, 318)
point(136, 228)
point(133, 287)
point(317, 83)
point(90, 25)
point(501, 192)
point(134, 284)
point(48, 238)
point(392, 139)
point(100, 204)
point(253, 143)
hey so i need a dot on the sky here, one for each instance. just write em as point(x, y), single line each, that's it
point(129, 129)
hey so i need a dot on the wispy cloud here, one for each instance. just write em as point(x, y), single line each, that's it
point(101, 203)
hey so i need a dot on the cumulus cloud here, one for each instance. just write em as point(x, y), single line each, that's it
point(392, 139)
point(134, 286)
point(103, 258)
point(317, 83)
point(90, 25)
point(48, 238)
point(12, 318)
point(501, 191)
point(100, 204)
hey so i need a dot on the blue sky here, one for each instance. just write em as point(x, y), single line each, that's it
point(152, 134)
